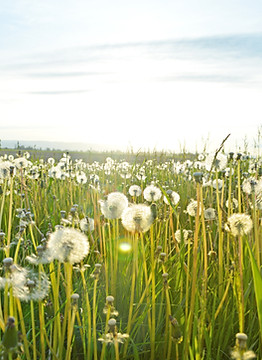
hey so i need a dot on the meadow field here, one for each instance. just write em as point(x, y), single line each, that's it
point(130, 257)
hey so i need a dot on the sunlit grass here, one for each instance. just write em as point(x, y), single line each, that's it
point(183, 285)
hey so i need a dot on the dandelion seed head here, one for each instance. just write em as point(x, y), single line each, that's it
point(192, 208)
point(137, 218)
point(217, 184)
point(210, 214)
point(234, 203)
point(239, 224)
point(87, 224)
point(81, 178)
point(135, 190)
point(68, 245)
point(152, 193)
point(35, 286)
point(113, 207)
point(219, 163)
point(186, 234)
point(174, 198)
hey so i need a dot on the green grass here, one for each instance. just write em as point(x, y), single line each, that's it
point(212, 290)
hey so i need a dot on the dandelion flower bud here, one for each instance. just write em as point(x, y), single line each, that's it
point(8, 262)
point(74, 298)
point(110, 299)
point(10, 337)
point(212, 254)
point(241, 340)
point(198, 176)
point(111, 324)
point(63, 214)
point(30, 284)
point(162, 256)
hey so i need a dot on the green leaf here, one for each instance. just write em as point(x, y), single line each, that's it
point(257, 279)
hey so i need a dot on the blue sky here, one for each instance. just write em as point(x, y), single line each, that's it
point(150, 74)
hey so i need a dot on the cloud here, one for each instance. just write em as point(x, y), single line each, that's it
point(57, 92)
point(227, 46)
point(59, 74)
point(235, 59)
point(216, 78)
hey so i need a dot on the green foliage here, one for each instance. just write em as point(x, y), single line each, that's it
point(177, 295)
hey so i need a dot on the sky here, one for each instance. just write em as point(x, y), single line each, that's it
point(154, 75)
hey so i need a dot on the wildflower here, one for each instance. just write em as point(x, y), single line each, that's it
point(21, 163)
point(74, 299)
point(4, 169)
point(252, 185)
point(234, 203)
point(141, 174)
point(217, 184)
point(97, 271)
point(44, 256)
point(183, 234)
point(165, 280)
point(113, 207)
point(112, 335)
point(87, 224)
point(201, 157)
point(198, 176)
point(135, 190)
point(10, 340)
point(174, 198)
point(152, 193)
point(51, 161)
point(210, 214)
point(54, 172)
point(239, 224)
point(26, 284)
point(125, 170)
point(192, 208)
point(34, 287)
point(137, 218)
point(217, 162)
point(67, 245)
point(81, 177)
point(240, 351)
point(176, 332)
point(109, 306)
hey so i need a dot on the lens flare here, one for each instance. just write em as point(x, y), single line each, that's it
point(125, 247)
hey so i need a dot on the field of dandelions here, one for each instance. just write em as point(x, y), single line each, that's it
point(119, 260)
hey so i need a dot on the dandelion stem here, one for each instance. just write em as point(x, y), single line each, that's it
point(33, 328)
point(241, 290)
point(42, 329)
point(94, 320)
point(23, 330)
point(194, 277)
point(153, 289)
point(7, 249)
point(132, 295)
point(2, 203)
